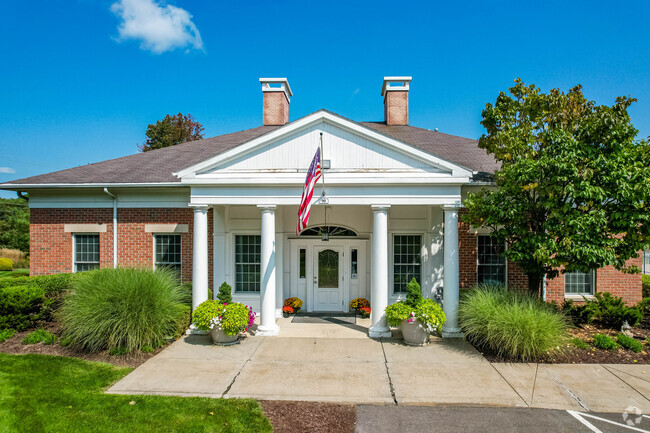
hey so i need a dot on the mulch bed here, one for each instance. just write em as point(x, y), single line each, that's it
point(15, 346)
point(313, 417)
point(574, 355)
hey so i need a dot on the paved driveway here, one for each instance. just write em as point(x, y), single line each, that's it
point(361, 370)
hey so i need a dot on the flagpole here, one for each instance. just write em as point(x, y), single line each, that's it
point(322, 171)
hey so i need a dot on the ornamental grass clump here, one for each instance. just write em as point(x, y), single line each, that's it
point(511, 324)
point(125, 309)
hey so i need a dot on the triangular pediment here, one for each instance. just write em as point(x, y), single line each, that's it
point(349, 147)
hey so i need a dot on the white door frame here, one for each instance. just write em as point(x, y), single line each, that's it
point(304, 287)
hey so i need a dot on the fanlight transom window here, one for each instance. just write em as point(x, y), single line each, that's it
point(333, 231)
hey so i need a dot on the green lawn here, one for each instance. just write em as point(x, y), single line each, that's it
point(41, 393)
point(15, 273)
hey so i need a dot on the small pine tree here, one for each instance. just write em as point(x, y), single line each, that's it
point(224, 295)
point(413, 293)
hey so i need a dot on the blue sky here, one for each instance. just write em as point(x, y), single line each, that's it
point(82, 79)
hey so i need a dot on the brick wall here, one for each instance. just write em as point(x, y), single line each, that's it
point(51, 247)
point(467, 253)
point(608, 279)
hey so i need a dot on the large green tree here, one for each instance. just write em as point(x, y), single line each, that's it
point(573, 189)
point(14, 224)
point(170, 131)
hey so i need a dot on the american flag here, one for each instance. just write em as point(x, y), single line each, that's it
point(313, 174)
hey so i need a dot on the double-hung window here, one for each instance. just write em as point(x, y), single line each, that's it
point(86, 252)
point(168, 252)
point(579, 283)
point(247, 263)
point(406, 261)
point(491, 263)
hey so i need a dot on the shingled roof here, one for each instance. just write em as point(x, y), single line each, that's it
point(158, 166)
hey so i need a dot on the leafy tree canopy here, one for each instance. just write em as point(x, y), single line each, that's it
point(573, 189)
point(170, 131)
point(14, 224)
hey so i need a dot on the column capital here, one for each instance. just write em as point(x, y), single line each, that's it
point(379, 207)
point(452, 207)
point(267, 207)
point(199, 207)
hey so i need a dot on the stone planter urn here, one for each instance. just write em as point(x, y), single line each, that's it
point(414, 334)
point(220, 338)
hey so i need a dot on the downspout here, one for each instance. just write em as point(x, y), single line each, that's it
point(544, 287)
point(114, 227)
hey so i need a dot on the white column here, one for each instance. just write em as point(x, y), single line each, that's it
point(219, 247)
point(200, 257)
point(267, 273)
point(279, 266)
point(451, 329)
point(379, 276)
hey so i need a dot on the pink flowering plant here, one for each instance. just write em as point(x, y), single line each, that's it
point(232, 318)
point(426, 312)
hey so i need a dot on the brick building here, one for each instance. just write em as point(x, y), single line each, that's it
point(225, 209)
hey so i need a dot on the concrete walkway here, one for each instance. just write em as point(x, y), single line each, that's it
point(346, 366)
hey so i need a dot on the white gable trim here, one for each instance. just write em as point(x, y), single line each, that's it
point(191, 171)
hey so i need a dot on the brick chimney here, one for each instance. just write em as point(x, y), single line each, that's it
point(276, 93)
point(395, 91)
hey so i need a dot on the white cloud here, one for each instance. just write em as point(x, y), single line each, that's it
point(7, 170)
point(158, 27)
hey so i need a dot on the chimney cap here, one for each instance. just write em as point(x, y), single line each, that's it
point(283, 85)
point(388, 81)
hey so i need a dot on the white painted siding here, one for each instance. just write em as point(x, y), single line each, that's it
point(97, 198)
point(347, 152)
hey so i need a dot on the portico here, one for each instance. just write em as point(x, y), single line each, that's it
point(392, 211)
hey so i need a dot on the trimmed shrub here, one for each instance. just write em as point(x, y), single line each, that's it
point(605, 342)
point(40, 335)
point(645, 286)
point(121, 308)
point(225, 293)
point(580, 314)
point(20, 306)
point(511, 324)
point(580, 344)
point(6, 264)
point(17, 256)
point(629, 343)
point(6, 334)
point(612, 311)
point(53, 286)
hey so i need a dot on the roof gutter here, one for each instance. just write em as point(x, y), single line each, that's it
point(24, 186)
point(114, 227)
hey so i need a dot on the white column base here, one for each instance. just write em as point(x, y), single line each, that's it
point(452, 333)
point(379, 332)
point(263, 332)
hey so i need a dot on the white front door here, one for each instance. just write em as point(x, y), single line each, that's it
point(328, 279)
